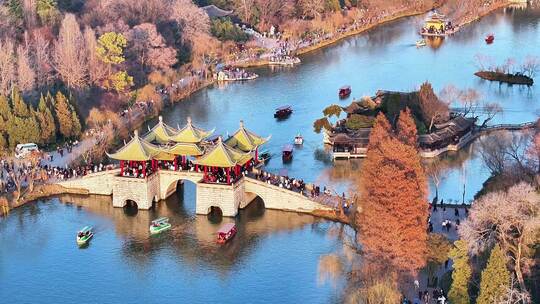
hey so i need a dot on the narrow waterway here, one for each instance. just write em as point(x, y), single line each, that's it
point(275, 256)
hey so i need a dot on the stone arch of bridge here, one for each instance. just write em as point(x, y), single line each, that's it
point(169, 183)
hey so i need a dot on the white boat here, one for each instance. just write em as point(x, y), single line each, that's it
point(298, 140)
point(160, 225)
point(84, 235)
point(420, 43)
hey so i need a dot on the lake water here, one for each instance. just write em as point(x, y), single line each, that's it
point(275, 256)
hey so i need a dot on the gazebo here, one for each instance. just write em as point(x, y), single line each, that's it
point(222, 157)
point(137, 152)
point(246, 141)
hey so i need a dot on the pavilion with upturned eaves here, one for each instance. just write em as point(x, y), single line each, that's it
point(246, 141)
point(223, 164)
point(167, 148)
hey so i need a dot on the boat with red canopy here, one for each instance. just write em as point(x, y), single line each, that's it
point(287, 153)
point(490, 38)
point(344, 91)
point(225, 233)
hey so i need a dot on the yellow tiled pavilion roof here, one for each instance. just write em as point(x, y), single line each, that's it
point(160, 133)
point(190, 134)
point(223, 156)
point(245, 140)
point(137, 149)
point(186, 149)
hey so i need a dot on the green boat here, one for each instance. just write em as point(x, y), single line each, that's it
point(160, 225)
point(84, 235)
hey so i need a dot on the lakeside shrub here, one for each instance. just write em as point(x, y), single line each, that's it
point(224, 29)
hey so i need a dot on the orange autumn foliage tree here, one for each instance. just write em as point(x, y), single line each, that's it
point(407, 128)
point(393, 219)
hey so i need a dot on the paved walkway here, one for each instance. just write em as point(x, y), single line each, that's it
point(68, 158)
point(437, 218)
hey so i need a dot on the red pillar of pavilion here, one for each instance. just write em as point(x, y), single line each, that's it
point(121, 168)
point(175, 164)
point(257, 155)
point(144, 168)
point(228, 175)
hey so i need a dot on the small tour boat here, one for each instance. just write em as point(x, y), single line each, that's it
point(489, 38)
point(421, 42)
point(298, 140)
point(287, 153)
point(344, 91)
point(265, 156)
point(160, 225)
point(84, 235)
point(225, 233)
point(283, 112)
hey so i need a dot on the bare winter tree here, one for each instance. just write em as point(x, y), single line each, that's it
point(26, 77)
point(435, 172)
point(70, 54)
point(8, 70)
point(97, 70)
point(509, 154)
point(514, 295)
point(149, 47)
point(245, 9)
point(510, 219)
point(193, 20)
point(311, 8)
point(530, 66)
point(42, 61)
point(491, 110)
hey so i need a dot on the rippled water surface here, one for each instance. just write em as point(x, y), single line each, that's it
point(274, 257)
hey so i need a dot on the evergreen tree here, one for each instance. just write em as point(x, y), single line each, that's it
point(394, 210)
point(495, 278)
point(46, 121)
point(77, 128)
point(15, 8)
point(20, 108)
point(64, 117)
point(3, 141)
point(22, 130)
point(459, 291)
point(5, 109)
point(407, 128)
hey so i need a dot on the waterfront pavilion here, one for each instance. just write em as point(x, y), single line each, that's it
point(175, 143)
point(136, 153)
point(223, 164)
point(190, 134)
point(161, 133)
point(246, 141)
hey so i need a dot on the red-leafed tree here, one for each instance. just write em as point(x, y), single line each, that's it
point(406, 128)
point(392, 220)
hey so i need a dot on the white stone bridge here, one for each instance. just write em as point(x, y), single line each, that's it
point(163, 183)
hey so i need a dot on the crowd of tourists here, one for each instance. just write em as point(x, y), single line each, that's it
point(10, 171)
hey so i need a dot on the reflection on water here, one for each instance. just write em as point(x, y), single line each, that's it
point(125, 264)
